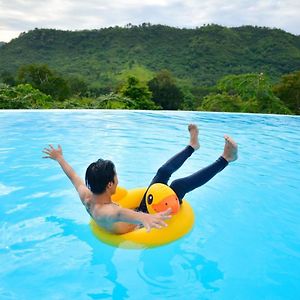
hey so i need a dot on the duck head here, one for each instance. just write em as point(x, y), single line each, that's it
point(160, 197)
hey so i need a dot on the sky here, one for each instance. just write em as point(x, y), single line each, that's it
point(17, 16)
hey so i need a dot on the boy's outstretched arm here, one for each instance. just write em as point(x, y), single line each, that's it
point(113, 213)
point(57, 154)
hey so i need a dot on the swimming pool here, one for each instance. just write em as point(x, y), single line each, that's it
point(245, 242)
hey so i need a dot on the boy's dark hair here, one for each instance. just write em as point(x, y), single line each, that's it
point(99, 174)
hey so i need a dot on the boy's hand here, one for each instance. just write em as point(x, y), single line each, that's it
point(53, 153)
point(156, 220)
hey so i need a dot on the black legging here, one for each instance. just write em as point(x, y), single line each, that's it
point(184, 185)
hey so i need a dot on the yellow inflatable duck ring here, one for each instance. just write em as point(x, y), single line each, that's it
point(159, 197)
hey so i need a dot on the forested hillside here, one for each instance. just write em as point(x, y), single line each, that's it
point(198, 56)
point(212, 68)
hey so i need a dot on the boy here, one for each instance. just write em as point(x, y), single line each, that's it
point(102, 180)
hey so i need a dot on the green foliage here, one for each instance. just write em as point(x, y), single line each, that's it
point(234, 103)
point(202, 91)
point(238, 93)
point(272, 106)
point(222, 102)
point(78, 87)
point(44, 79)
point(109, 101)
point(7, 78)
point(288, 90)
point(23, 96)
point(139, 93)
point(248, 86)
point(138, 71)
point(189, 101)
point(115, 101)
point(164, 90)
point(245, 93)
point(49, 82)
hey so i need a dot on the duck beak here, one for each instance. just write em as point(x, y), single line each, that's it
point(170, 201)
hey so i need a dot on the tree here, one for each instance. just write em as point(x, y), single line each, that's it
point(23, 96)
point(255, 92)
point(58, 88)
point(78, 86)
point(113, 101)
point(248, 86)
point(165, 92)
point(222, 102)
point(139, 93)
point(288, 90)
point(189, 101)
point(44, 79)
point(7, 78)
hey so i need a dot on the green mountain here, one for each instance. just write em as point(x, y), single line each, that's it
point(198, 56)
point(2, 43)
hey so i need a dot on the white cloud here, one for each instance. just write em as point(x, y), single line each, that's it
point(17, 16)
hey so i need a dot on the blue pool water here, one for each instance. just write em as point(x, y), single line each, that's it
point(245, 242)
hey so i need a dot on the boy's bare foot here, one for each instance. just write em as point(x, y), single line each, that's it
point(230, 149)
point(194, 140)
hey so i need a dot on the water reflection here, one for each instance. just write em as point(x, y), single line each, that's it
point(166, 272)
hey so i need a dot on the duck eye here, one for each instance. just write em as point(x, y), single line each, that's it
point(150, 199)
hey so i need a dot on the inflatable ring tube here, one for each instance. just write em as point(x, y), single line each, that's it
point(179, 225)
